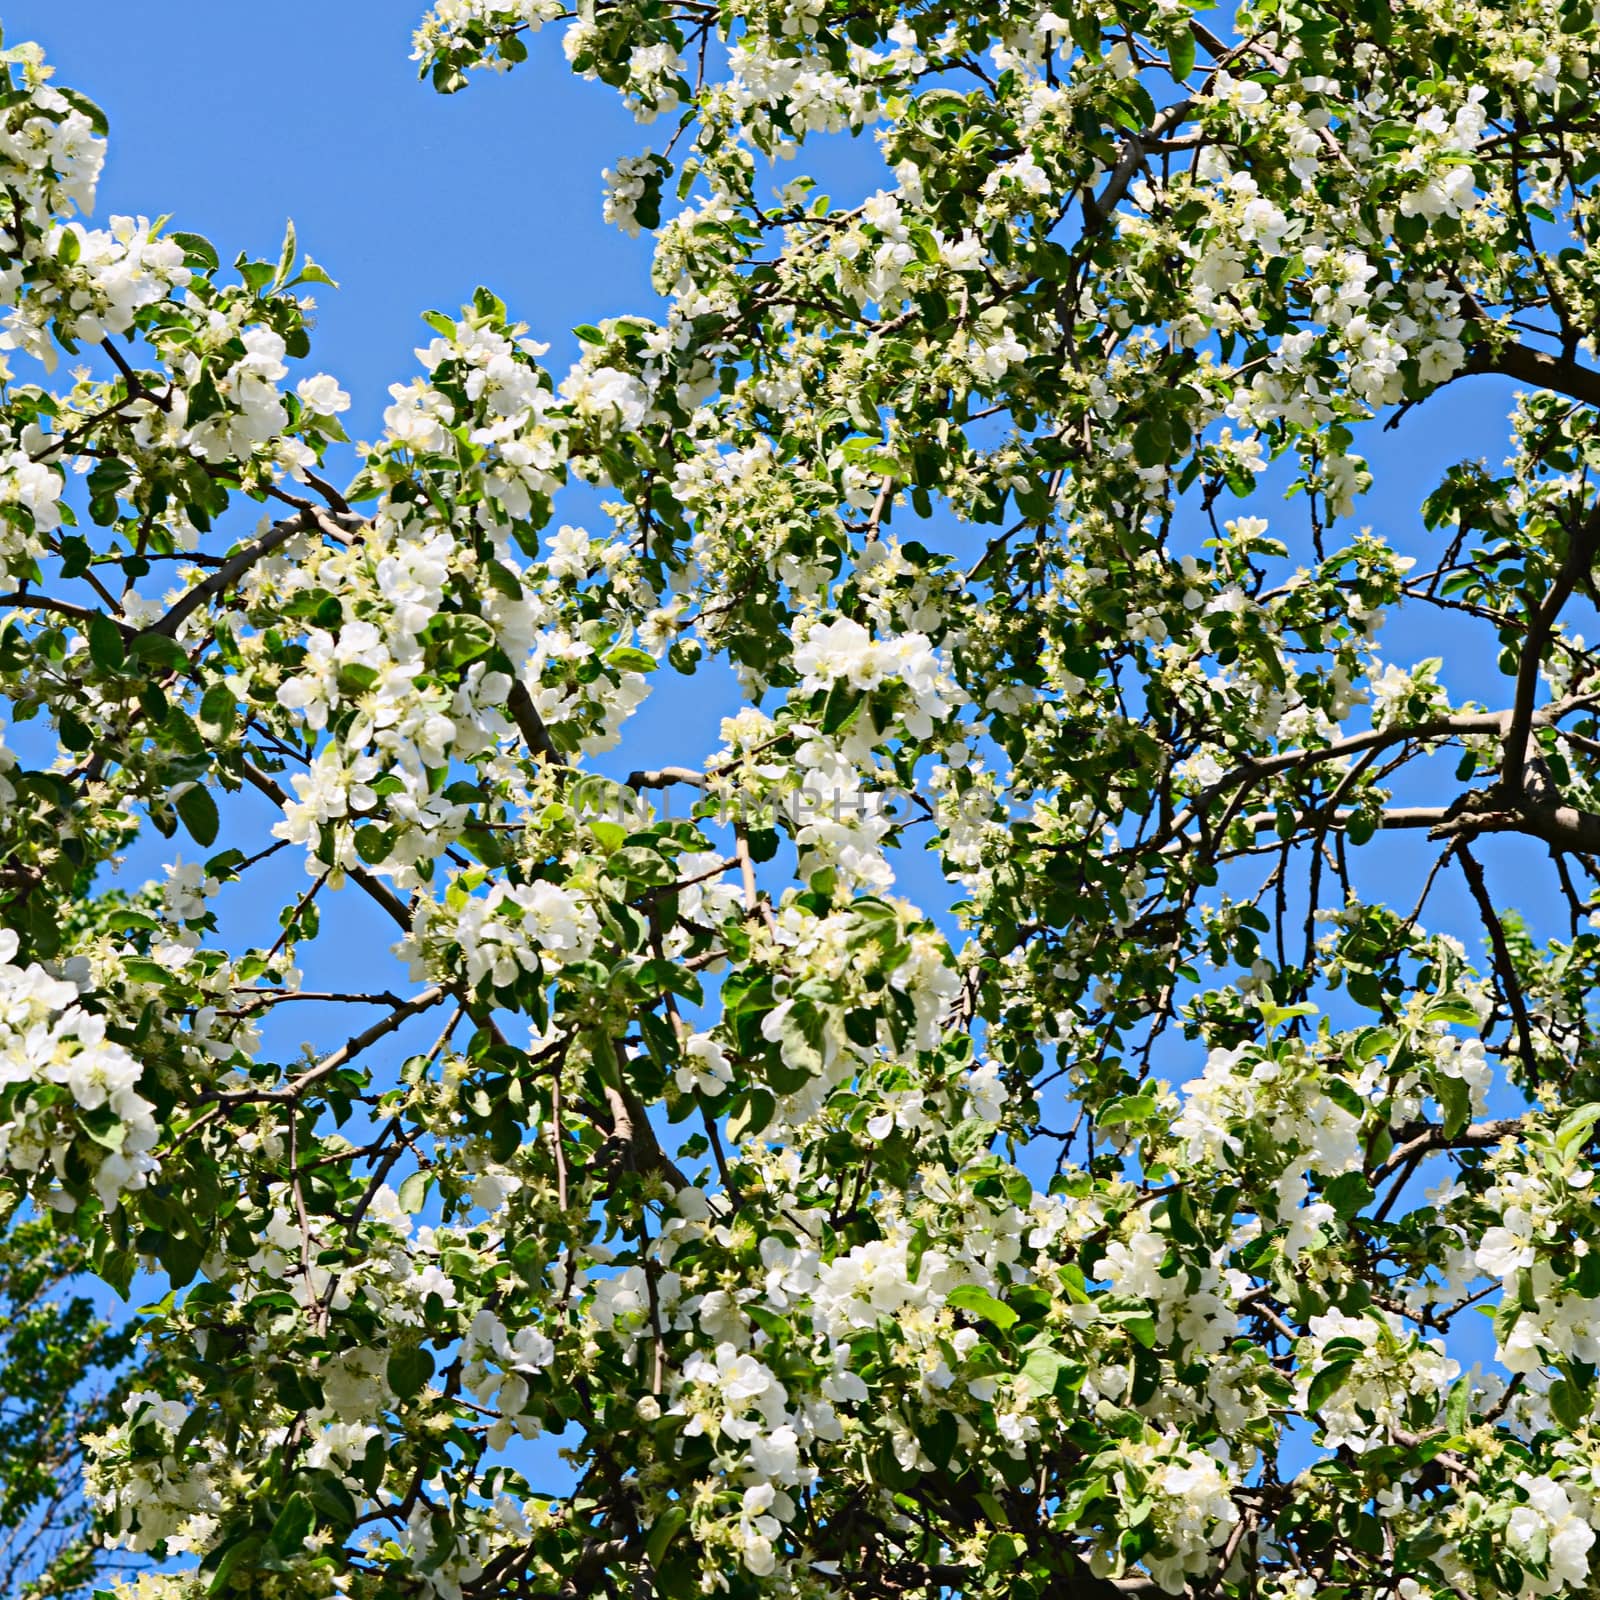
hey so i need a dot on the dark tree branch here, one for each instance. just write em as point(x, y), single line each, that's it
point(1504, 966)
point(235, 567)
point(531, 725)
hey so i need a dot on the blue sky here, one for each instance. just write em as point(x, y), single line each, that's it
point(235, 117)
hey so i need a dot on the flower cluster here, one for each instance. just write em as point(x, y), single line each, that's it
point(1015, 1241)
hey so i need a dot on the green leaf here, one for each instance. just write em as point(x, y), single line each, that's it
point(751, 1113)
point(414, 1192)
point(372, 845)
point(1180, 60)
point(626, 659)
point(157, 652)
point(1455, 1101)
point(939, 1438)
point(81, 102)
point(310, 272)
point(355, 678)
point(285, 257)
point(199, 813)
point(1327, 1383)
point(1131, 1108)
point(231, 1557)
point(1571, 1406)
point(1152, 442)
point(1141, 1328)
point(915, 1251)
point(1343, 1093)
point(663, 1531)
point(1274, 1015)
point(1375, 1042)
point(1411, 229)
point(970, 1138)
point(295, 1521)
point(409, 1370)
point(841, 707)
point(1076, 1500)
point(1348, 1194)
point(463, 638)
point(1146, 1376)
point(1050, 1372)
point(1452, 1008)
point(198, 252)
point(219, 711)
point(76, 734)
point(333, 1500)
point(1576, 1128)
point(980, 1303)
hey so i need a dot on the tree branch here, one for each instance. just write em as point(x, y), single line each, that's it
point(664, 777)
point(1519, 728)
point(235, 567)
point(373, 887)
point(1504, 965)
point(531, 725)
point(348, 1051)
point(1535, 368)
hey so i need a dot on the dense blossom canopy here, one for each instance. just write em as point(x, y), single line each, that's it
point(1118, 1223)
